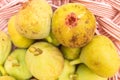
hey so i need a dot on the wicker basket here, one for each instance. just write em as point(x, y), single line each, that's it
point(107, 14)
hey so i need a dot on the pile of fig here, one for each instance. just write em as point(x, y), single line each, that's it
point(42, 44)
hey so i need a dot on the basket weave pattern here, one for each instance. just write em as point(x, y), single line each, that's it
point(107, 14)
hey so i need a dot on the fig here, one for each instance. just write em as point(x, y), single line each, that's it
point(84, 73)
point(7, 78)
point(70, 53)
point(44, 61)
point(5, 48)
point(15, 65)
point(34, 19)
point(101, 56)
point(17, 39)
point(68, 71)
point(73, 25)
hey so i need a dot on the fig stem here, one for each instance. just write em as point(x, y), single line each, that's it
point(75, 62)
point(49, 39)
point(35, 51)
point(2, 70)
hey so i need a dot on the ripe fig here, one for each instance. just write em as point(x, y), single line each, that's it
point(15, 65)
point(34, 19)
point(17, 39)
point(101, 56)
point(73, 25)
point(44, 61)
point(5, 48)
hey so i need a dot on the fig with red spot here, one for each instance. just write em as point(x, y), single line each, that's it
point(73, 25)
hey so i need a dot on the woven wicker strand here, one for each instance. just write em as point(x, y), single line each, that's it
point(107, 14)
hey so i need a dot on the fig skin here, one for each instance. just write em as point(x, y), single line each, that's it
point(84, 73)
point(16, 66)
point(5, 48)
point(73, 25)
point(17, 39)
point(70, 53)
point(105, 60)
point(34, 19)
point(101, 56)
point(44, 61)
point(68, 71)
point(7, 78)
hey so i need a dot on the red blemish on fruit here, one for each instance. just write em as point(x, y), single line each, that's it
point(71, 20)
point(24, 5)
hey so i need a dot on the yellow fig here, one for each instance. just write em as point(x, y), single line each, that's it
point(18, 40)
point(34, 19)
point(101, 56)
point(73, 25)
point(44, 61)
point(5, 48)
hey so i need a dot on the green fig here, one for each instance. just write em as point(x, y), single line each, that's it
point(7, 78)
point(34, 19)
point(84, 73)
point(70, 53)
point(101, 56)
point(5, 48)
point(17, 39)
point(73, 25)
point(68, 71)
point(15, 65)
point(44, 61)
